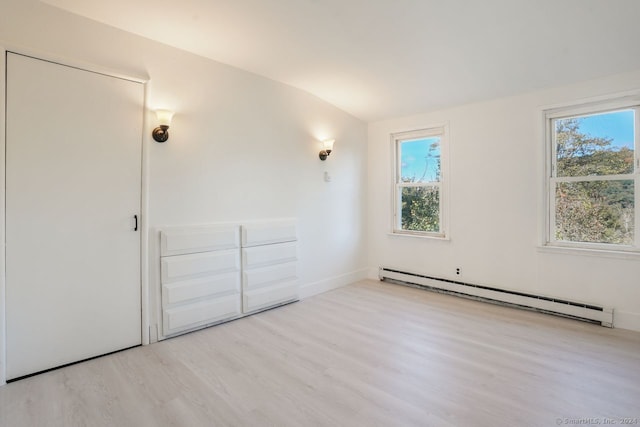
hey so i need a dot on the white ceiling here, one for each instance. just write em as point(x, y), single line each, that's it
point(386, 58)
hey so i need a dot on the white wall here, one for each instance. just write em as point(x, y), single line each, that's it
point(242, 147)
point(497, 185)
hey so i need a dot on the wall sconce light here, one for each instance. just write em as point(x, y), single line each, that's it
point(327, 147)
point(161, 133)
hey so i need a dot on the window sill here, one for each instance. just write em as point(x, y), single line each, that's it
point(600, 253)
point(440, 237)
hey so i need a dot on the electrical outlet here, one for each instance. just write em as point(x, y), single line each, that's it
point(458, 271)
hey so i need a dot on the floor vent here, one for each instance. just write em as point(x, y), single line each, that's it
point(575, 310)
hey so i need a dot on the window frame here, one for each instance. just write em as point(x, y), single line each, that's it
point(437, 130)
point(551, 178)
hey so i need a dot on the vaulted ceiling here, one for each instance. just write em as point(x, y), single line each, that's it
point(386, 58)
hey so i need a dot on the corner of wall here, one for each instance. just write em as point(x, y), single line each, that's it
point(626, 320)
point(331, 283)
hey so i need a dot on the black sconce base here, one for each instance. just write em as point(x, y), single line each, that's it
point(161, 133)
point(324, 154)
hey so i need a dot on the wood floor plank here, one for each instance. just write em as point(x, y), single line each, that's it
point(369, 354)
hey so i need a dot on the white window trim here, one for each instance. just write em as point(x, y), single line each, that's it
point(628, 100)
point(436, 129)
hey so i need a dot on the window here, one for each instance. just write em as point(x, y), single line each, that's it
point(594, 183)
point(418, 184)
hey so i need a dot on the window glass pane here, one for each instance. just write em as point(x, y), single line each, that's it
point(420, 208)
point(420, 160)
point(595, 212)
point(599, 144)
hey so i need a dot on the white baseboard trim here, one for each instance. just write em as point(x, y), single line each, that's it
point(315, 288)
point(626, 320)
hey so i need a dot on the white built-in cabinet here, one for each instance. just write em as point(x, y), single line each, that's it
point(214, 273)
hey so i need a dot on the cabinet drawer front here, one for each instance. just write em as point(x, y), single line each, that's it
point(266, 297)
point(179, 292)
point(262, 256)
point(200, 313)
point(181, 267)
point(269, 232)
point(272, 275)
point(184, 240)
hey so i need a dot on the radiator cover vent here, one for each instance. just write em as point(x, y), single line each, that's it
point(561, 307)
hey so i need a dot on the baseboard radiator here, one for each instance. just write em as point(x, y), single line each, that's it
point(545, 304)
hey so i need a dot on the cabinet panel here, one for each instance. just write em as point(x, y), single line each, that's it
point(265, 297)
point(179, 292)
point(181, 267)
point(267, 233)
point(260, 256)
point(260, 277)
point(201, 313)
point(183, 240)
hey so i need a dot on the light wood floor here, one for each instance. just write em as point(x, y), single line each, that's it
point(370, 354)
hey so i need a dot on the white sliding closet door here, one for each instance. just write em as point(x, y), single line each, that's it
point(73, 177)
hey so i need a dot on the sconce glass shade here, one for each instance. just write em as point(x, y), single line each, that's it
point(164, 117)
point(328, 144)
